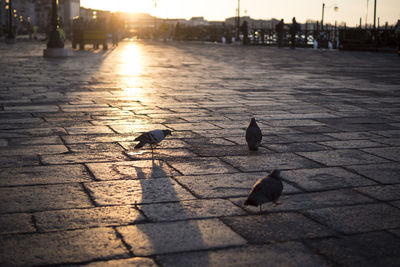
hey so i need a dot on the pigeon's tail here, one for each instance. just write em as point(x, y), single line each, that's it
point(250, 202)
point(140, 145)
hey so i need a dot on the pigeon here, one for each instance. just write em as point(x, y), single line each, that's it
point(253, 135)
point(152, 138)
point(265, 190)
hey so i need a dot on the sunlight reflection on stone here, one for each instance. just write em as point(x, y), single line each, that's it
point(130, 70)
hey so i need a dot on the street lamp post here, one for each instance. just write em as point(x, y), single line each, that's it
point(374, 13)
point(155, 20)
point(238, 21)
point(335, 7)
point(10, 37)
point(55, 46)
point(322, 20)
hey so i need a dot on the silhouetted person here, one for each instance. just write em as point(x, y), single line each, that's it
point(114, 29)
point(245, 31)
point(294, 28)
point(279, 32)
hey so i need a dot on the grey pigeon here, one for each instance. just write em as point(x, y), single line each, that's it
point(267, 189)
point(253, 135)
point(152, 138)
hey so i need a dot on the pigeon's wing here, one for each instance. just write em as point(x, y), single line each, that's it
point(272, 188)
point(253, 135)
point(156, 136)
point(257, 194)
point(145, 138)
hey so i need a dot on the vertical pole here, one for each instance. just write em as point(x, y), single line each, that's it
point(322, 20)
point(374, 13)
point(10, 20)
point(54, 38)
point(155, 20)
point(1, 18)
point(238, 21)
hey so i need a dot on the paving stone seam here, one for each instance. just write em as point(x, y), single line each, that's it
point(316, 251)
point(229, 164)
point(379, 156)
point(89, 171)
point(186, 188)
point(124, 243)
point(349, 169)
point(88, 193)
point(387, 202)
point(341, 233)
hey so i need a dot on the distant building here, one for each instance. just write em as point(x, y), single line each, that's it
point(38, 12)
point(197, 21)
point(253, 23)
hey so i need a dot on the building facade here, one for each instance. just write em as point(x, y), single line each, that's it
point(29, 13)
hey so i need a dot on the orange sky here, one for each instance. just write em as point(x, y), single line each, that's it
point(349, 11)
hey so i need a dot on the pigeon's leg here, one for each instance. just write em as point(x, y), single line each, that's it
point(260, 207)
point(152, 152)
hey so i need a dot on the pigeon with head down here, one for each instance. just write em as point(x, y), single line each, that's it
point(267, 189)
point(253, 135)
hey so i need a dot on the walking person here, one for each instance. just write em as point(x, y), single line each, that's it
point(245, 31)
point(279, 31)
point(294, 28)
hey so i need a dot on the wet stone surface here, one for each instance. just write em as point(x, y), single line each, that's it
point(75, 192)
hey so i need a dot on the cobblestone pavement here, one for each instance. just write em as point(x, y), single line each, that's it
point(74, 191)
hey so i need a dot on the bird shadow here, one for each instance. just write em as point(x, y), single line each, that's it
point(170, 227)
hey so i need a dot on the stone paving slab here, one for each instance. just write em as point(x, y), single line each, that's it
point(75, 192)
point(18, 161)
point(282, 254)
point(128, 192)
point(386, 173)
point(269, 162)
point(134, 262)
point(391, 153)
point(381, 192)
point(296, 202)
point(89, 156)
point(199, 166)
point(191, 209)
point(16, 223)
point(44, 175)
point(160, 238)
point(42, 197)
point(342, 157)
point(370, 249)
point(359, 218)
point(61, 247)
point(225, 185)
point(131, 170)
point(276, 227)
point(86, 218)
point(325, 178)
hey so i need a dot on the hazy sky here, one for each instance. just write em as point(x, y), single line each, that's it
point(349, 11)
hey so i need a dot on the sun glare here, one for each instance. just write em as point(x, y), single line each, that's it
point(131, 69)
point(131, 6)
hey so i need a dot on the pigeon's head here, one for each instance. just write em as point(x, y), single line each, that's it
point(166, 132)
point(253, 122)
point(250, 202)
point(276, 174)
